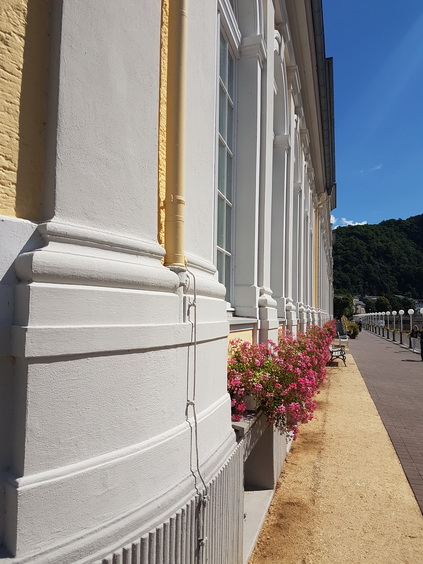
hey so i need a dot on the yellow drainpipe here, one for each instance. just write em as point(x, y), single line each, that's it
point(175, 134)
point(316, 251)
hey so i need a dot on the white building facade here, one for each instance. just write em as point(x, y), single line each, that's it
point(117, 443)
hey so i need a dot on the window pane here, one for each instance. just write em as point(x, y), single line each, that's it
point(221, 167)
point(228, 177)
point(222, 112)
point(228, 242)
point(223, 60)
point(230, 126)
point(221, 222)
point(220, 266)
point(228, 261)
point(231, 65)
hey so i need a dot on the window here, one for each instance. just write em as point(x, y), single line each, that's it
point(225, 165)
point(227, 54)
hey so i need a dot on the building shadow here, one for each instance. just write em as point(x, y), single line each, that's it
point(32, 111)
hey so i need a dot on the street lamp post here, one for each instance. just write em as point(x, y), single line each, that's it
point(388, 313)
point(410, 313)
point(394, 315)
point(401, 313)
point(383, 321)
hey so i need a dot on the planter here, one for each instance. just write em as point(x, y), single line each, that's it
point(251, 403)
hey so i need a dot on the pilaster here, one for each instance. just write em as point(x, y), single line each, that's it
point(281, 145)
point(267, 305)
point(246, 288)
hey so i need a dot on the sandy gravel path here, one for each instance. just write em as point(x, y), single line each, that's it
point(343, 496)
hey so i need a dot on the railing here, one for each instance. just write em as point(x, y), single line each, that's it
point(396, 330)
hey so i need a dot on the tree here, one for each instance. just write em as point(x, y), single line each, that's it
point(396, 303)
point(343, 305)
point(407, 303)
point(369, 305)
point(380, 260)
point(382, 304)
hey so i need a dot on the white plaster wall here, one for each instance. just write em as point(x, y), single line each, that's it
point(15, 235)
point(201, 131)
point(103, 338)
point(107, 122)
point(103, 442)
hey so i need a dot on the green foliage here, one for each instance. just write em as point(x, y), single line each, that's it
point(396, 303)
point(407, 303)
point(343, 306)
point(352, 329)
point(382, 304)
point(383, 259)
point(370, 305)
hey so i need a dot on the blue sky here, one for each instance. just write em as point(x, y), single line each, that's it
point(377, 47)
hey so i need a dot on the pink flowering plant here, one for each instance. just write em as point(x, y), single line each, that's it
point(282, 378)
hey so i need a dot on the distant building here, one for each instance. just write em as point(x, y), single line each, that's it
point(359, 307)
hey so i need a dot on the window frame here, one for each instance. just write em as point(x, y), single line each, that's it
point(228, 32)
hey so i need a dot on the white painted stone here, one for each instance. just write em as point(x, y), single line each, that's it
point(119, 365)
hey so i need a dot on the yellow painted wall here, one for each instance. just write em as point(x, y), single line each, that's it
point(162, 118)
point(23, 86)
point(246, 335)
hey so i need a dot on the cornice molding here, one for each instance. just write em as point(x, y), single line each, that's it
point(282, 142)
point(79, 255)
point(253, 47)
point(294, 79)
point(59, 232)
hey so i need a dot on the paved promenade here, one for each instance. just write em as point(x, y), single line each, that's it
point(394, 378)
point(343, 496)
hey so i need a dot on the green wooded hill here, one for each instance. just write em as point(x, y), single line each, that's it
point(381, 259)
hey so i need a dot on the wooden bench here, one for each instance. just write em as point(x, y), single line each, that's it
point(338, 352)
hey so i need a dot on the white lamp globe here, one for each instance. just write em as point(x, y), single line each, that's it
point(410, 311)
point(401, 312)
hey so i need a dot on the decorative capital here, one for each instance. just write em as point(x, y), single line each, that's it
point(277, 45)
point(283, 29)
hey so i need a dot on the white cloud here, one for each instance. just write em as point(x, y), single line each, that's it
point(333, 219)
point(350, 222)
point(370, 170)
